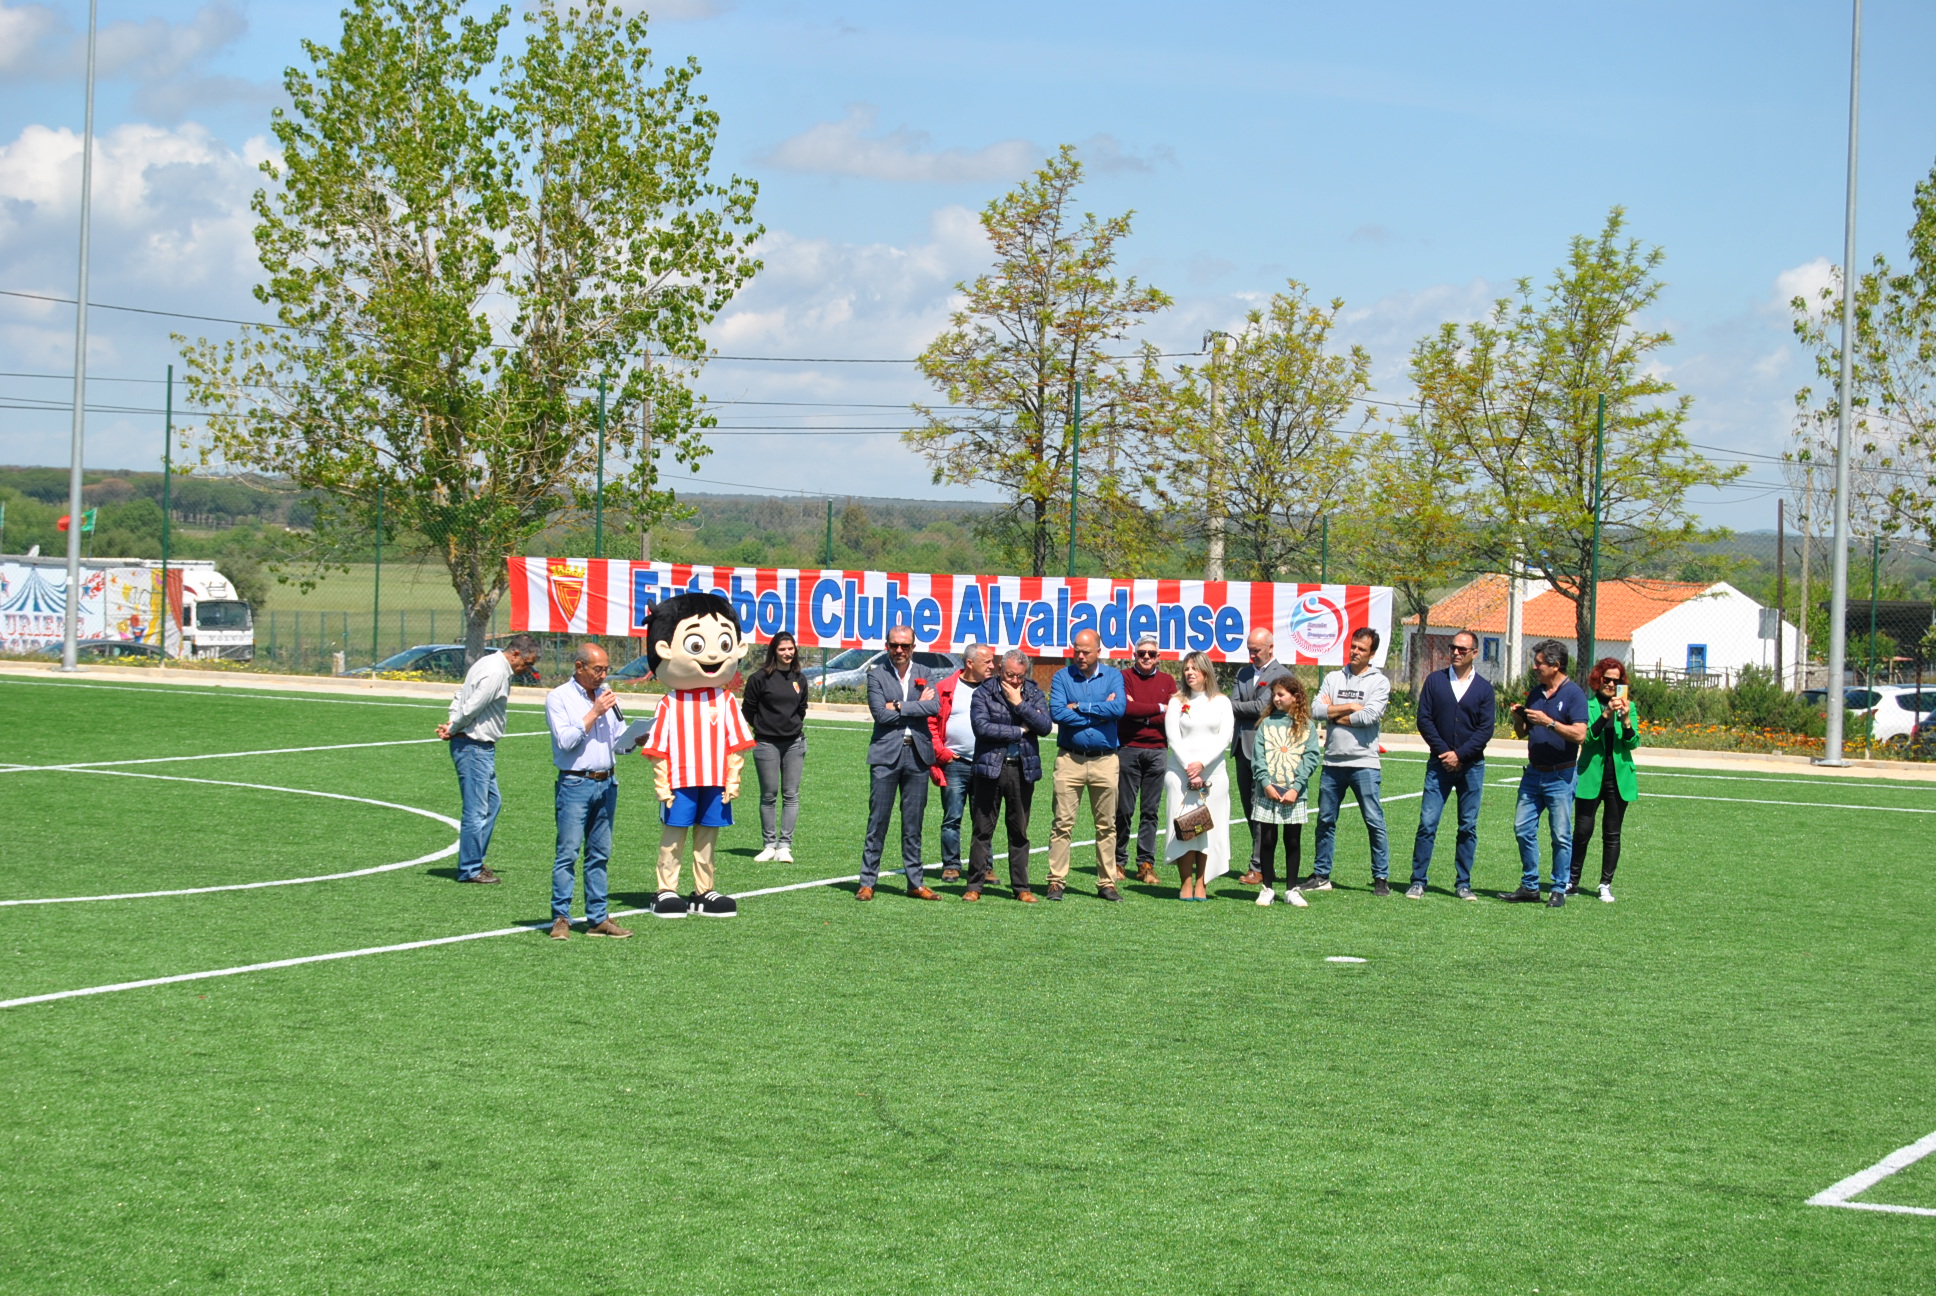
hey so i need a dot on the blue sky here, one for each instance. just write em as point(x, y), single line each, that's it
point(1413, 159)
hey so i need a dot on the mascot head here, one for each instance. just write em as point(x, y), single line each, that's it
point(692, 641)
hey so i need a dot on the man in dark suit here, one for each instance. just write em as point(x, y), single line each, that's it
point(1250, 701)
point(1455, 717)
point(901, 697)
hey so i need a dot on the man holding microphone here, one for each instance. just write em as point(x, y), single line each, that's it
point(585, 723)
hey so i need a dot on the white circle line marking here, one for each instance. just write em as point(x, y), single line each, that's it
point(446, 820)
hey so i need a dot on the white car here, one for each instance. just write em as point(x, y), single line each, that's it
point(1896, 708)
point(849, 668)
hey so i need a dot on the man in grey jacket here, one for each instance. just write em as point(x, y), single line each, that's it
point(1250, 701)
point(901, 697)
point(1351, 702)
point(475, 723)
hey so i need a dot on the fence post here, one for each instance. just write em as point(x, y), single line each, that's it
point(1075, 472)
point(1593, 590)
point(827, 561)
point(167, 479)
point(376, 584)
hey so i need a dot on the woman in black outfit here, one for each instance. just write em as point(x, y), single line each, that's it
point(1606, 770)
point(775, 705)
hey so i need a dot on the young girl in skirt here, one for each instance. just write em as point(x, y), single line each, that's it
point(1288, 749)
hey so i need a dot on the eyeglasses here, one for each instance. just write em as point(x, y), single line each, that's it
point(1147, 652)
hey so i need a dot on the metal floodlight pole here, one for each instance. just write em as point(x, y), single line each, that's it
point(1875, 585)
point(70, 629)
point(1593, 587)
point(167, 481)
point(1838, 598)
point(1075, 472)
point(598, 505)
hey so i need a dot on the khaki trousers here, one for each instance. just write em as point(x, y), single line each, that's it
point(672, 844)
point(1074, 771)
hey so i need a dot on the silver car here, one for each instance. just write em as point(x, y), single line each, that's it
point(848, 668)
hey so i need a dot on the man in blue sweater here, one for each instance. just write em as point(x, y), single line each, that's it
point(1456, 710)
point(1086, 699)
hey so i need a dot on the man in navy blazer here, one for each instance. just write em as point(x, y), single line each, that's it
point(1455, 717)
point(901, 697)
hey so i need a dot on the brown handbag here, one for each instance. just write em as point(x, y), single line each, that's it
point(1192, 823)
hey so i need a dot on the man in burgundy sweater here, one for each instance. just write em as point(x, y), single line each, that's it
point(1141, 756)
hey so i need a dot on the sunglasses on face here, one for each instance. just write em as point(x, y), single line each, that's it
point(1461, 648)
point(1146, 652)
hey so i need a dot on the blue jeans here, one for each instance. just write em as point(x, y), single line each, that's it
point(1552, 792)
point(1468, 784)
point(585, 808)
point(476, 764)
point(954, 801)
point(1364, 782)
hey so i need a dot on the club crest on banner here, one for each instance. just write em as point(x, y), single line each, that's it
point(565, 577)
point(1316, 624)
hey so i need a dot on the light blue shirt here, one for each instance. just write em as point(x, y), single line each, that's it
point(573, 746)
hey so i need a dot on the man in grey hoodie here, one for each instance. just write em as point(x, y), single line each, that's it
point(1351, 702)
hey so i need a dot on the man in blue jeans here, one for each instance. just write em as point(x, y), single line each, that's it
point(1456, 708)
point(1351, 702)
point(472, 728)
point(1552, 720)
point(585, 723)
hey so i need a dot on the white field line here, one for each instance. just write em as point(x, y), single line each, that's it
point(406, 945)
point(1863, 1180)
point(1904, 786)
point(271, 751)
point(254, 886)
point(238, 694)
point(1806, 805)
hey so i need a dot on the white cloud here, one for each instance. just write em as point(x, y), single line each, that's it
point(1106, 154)
point(1805, 281)
point(847, 148)
point(26, 34)
point(165, 60)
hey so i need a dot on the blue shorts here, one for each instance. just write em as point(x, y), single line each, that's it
point(697, 807)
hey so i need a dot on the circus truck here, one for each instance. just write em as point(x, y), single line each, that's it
point(122, 598)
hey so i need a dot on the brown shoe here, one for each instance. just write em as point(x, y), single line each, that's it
point(921, 893)
point(1026, 897)
point(561, 929)
point(484, 878)
point(1146, 875)
point(950, 875)
point(607, 928)
point(971, 895)
point(1252, 878)
point(865, 893)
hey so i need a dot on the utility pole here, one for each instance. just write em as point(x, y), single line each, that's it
point(1781, 582)
point(1838, 597)
point(70, 629)
point(1214, 542)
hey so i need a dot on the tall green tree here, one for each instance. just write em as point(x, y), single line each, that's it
point(459, 244)
point(1892, 402)
point(1415, 528)
point(1049, 315)
point(1517, 391)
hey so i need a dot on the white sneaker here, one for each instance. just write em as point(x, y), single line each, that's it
point(767, 856)
point(1294, 896)
point(783, 854)
point(1264, 897)
point(1606, 892)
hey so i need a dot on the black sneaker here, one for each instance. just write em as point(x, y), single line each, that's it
point(670, 904)
point(1055, 890)
point(711, 904)
point(1107, 893)
point(1557, 900)
point(1380, 887)
point(1521, 896)
point(1316, 882)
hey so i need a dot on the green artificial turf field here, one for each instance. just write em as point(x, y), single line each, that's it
point(902, 1097)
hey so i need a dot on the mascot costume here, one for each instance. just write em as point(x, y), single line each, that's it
point(692, 643)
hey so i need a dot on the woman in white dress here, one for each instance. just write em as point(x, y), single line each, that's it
point(1199, 725)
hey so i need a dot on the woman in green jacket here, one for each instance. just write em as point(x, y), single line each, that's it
point(1606, 770)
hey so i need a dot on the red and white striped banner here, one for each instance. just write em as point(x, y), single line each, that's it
point(1038, 614)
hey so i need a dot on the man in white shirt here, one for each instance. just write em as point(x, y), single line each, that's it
point(475, 723)
point(585, 723)
point(954, 749)
point(1352, 702)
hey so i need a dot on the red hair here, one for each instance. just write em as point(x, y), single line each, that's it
point(1598, 675)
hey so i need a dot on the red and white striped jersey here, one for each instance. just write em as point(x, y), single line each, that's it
point(694, 731)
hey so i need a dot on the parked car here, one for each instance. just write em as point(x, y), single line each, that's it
point(848, 668)
point(1896, 708)
point(633, 671)
point(109, 650)
point(442, 660)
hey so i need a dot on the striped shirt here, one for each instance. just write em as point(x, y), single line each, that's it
point(694, 731)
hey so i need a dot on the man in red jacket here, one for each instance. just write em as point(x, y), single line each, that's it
point(1140, 758)
point(954, 750)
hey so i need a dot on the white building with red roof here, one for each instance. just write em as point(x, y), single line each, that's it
point(1671, 628)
